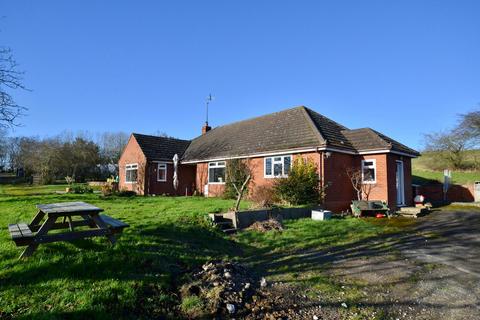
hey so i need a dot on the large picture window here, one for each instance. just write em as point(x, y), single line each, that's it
point(162, 172)
point(216, 172)
point(131, 173)
point(369, 171)
point(276, 167)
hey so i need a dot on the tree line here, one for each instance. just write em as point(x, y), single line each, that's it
point(81, 156)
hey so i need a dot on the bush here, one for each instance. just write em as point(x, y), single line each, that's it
point(107, 189)
point(81, 189)
point(263, 196)
point(301, 186)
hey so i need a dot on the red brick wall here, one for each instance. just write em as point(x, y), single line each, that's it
point(339, 192)
point(258, 177)
point(186, 178)
point(133, 154)
point(434, 192)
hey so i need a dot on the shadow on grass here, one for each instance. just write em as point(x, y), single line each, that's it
point(146, 252)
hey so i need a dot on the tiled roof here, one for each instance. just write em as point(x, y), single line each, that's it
point(367, 139)
point(296, 128)
point(160, 148)
point(288, 129)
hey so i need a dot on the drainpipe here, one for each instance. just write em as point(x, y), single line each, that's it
point(321, 170)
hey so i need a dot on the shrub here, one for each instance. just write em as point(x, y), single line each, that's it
point(301, 186)
point(81, 189)
point(127, 193)
point(107, 189)
point(263, 196)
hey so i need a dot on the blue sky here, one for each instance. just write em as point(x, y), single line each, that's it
point(402, 67)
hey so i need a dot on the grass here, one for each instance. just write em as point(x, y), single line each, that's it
point(140, 275)
point(459, 177)
point(429, 167)
point(166, 237)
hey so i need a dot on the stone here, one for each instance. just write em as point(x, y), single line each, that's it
point(231, 308)
point(344, 305)
point(263, 282)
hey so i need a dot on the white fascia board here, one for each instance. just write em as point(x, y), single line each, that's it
point(256, 155)
point(293, 151)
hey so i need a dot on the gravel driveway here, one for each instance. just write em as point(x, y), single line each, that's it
point(431, 272)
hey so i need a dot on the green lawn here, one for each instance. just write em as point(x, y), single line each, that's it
point(138, 276)
point(459, 177)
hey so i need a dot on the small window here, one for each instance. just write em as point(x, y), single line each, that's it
point(216, 172)
point(268, 166)
point(277, 166)
point(131, 173)
point(162, 172)
point(369, 171)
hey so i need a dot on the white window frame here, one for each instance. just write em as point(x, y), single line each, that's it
point(282, 161)
point(131, 166)
point(372, 166)
point(165, 168)
point(216, 164)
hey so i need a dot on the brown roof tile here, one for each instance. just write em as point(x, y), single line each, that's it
point(160, 148)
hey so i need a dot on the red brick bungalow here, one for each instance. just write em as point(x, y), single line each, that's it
point(271, 143)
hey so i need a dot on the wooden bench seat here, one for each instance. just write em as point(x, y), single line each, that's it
point(114, 224)
point(21, 234)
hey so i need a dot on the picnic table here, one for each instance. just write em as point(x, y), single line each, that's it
point(72, 215)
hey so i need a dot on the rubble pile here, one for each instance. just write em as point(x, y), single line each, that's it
point(267, 225)
point(224, 287)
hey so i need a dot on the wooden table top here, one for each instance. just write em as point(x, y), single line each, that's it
point(68, 208)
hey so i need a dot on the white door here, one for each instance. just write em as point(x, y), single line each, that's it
point(400, 184)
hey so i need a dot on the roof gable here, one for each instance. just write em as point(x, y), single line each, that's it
point(160, 148)
point(367, 139)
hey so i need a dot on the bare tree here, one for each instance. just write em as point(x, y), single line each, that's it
point(452, 143)
point(10, 79)
point(357, 179)
point(238, 175)
point(470, 123)
point(111, 146)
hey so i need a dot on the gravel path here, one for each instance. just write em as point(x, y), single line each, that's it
point(432, 272)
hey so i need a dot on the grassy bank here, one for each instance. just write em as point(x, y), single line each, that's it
point(429, 168)
point(458, 177)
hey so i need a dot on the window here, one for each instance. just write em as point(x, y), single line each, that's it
point(216, 172)
point(131, 173)
point(162, 172)
point(277, 166)
point(369, 171)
